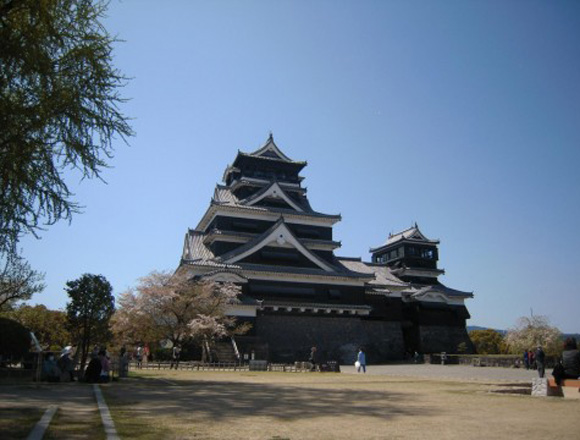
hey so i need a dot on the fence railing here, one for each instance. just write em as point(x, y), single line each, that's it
point(503, 361)
point(188, 365)
point(297, 367)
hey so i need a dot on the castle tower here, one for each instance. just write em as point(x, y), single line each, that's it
point(434, 316)
point(261, 233)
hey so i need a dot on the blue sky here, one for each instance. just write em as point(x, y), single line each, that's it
point(462, 116)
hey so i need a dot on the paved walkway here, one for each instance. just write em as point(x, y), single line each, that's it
point(450, 372)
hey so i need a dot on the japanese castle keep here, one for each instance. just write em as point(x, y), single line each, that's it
point(261, 233)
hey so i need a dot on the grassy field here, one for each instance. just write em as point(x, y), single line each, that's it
point(18, 422)
point(23, 403)
point(277, 406)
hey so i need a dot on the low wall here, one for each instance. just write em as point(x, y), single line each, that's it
point(505, 361)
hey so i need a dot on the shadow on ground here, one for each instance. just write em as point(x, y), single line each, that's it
point(224, 400)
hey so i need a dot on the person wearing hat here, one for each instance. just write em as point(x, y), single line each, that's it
point(65, 364)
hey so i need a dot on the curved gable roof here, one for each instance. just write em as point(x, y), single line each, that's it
point(412, 234)
point(273, 191)
point(279, 234)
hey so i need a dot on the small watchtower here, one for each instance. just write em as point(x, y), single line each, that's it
point(410, 255)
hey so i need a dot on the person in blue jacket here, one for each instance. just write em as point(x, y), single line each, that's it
point(361, 359)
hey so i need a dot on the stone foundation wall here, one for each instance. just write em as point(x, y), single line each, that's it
point(435, 339)
point(290, 338)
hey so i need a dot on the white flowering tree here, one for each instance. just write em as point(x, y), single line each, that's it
point(531, 332)
point(171, 307)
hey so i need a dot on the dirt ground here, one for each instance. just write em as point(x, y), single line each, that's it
point(277, 406)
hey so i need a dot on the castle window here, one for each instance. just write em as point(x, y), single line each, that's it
point(334, 293)
point(428, 253)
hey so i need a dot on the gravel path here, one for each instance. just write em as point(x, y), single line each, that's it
point(449, 372)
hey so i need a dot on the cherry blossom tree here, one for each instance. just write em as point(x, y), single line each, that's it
point(167, 306)
point(534, 331)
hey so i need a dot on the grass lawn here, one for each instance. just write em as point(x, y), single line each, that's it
point(277, 406)
point(18, 422)
point(70, 424)
point(22, 405)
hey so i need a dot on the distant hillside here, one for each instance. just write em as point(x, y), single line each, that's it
point(503, 332)
point(477, 327)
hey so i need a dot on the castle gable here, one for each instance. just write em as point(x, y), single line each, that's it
point(279, 236)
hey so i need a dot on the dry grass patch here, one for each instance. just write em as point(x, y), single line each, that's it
point(248, 405)
point(70, 424)
point(17, 423)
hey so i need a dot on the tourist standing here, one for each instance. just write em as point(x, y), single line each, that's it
point(362, 361)
point(123, 362)
point(139, 356)
point(526, 360)
point(50, 370)
point(313, 358)
point(175, 355)
point(416, 357)
point(66, 365)
point(540, 359)
point(105, 366)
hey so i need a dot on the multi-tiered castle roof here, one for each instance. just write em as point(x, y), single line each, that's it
point(261, 220)
point(261, 232)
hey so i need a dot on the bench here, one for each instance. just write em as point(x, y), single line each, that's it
point(569, 388)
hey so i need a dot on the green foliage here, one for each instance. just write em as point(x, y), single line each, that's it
point(487, 341)
point(534, 331)
point(462, 348)
point(90, 308)
point(18, 282)
point(59, 108)
point(14, 339)
point(49, 326)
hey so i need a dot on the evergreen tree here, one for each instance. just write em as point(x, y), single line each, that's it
point(90, 308)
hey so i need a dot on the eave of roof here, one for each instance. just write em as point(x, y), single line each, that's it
point(296, 164)
point(405, 235)
point(265, 239)
point(267, 213)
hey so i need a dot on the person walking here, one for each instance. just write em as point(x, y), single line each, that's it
point(362, 361)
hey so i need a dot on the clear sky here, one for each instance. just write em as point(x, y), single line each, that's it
point(462, 116)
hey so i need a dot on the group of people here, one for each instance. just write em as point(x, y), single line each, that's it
point(62, 369)
point(142, 354)
point(535, 359)
point(99, 368)
point(360, 363)
point(59, 369)
point(568, 366)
